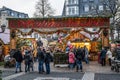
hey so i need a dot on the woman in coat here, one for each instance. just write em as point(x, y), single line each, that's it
point(48, 59)
point(71, 59)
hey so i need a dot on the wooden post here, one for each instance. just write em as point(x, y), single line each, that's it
point(12, 39)
point(105, 37)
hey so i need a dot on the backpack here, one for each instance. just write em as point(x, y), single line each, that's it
point(27, 56)
point(79, 56)
point(40, 55)
point(118, 54)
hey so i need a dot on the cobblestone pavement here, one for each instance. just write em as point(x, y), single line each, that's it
point(100, 76)
point(93, 70)
point(35, 75)
point(6, 73)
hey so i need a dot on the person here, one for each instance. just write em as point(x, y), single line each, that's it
point(74, 51)
point(31, 59)
point(86, 55)
point(67, 50)
point(82, 51)
point(71, 59)
point(109, 54)
point(48, 59)
point(27, 58)
point(117, 53)
point(19, 58)
point(40, 55)
point(103, 57)
point(78, 56)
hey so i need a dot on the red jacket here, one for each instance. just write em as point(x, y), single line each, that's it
point(71, 57)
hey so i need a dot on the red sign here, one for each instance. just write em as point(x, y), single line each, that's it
point(58, 22)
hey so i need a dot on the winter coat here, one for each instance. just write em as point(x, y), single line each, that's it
point(109, 54)
point(117, 53)
point(18, 56)
point(103, 54)
point(86, 53)
point(27, 56)
point(40, 55)
point(79, 54)
point(48, 57)
point(71, 57)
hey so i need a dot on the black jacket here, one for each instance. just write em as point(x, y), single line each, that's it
point(18, 56)
point(40, 55)
point(79, 54)
point(48, 58)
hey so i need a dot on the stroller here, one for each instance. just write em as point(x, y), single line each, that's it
point(115, 62)
point(32, 65)
point(115, 65)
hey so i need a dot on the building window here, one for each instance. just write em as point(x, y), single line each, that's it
point(12, 14)
point(86, 8)
point(75, 1)
point(100, 0)
point(73, 10)
point(17, 15)
point(93, 7)
point(91, 0)
point(72, 1)
point(101, 7)
point(20, 16)
point(84, 0)
point(107, 8)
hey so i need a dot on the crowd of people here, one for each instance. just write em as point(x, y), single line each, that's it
point(107, 54)
point(76, 56)
point(43, 56)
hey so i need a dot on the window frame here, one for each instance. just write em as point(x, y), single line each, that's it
point(69, 2)
point(86, 8)
point(72, 10)
point(100, 7)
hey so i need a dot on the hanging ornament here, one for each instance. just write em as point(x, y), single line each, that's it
point(68, 43)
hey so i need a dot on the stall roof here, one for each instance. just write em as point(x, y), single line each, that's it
point(59, 22)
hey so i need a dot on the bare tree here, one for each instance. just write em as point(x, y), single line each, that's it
point(114, 10)
point(43, 9)
point(111, 9)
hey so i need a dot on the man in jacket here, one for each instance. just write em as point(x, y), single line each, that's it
point(18, 57)
point(103, 57)
point(48, 59)
point(40, 55)
point(78, 56)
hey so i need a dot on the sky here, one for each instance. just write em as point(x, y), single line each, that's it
point(28, 6)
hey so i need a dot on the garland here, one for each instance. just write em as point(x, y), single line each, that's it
point(41, 32)
point(57, 31)
point(92, 32)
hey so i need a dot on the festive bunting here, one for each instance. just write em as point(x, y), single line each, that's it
point(57, 31)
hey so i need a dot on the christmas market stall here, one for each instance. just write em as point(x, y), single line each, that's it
point(77, 32)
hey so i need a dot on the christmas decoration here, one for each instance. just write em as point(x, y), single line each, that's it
point(62, 22)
